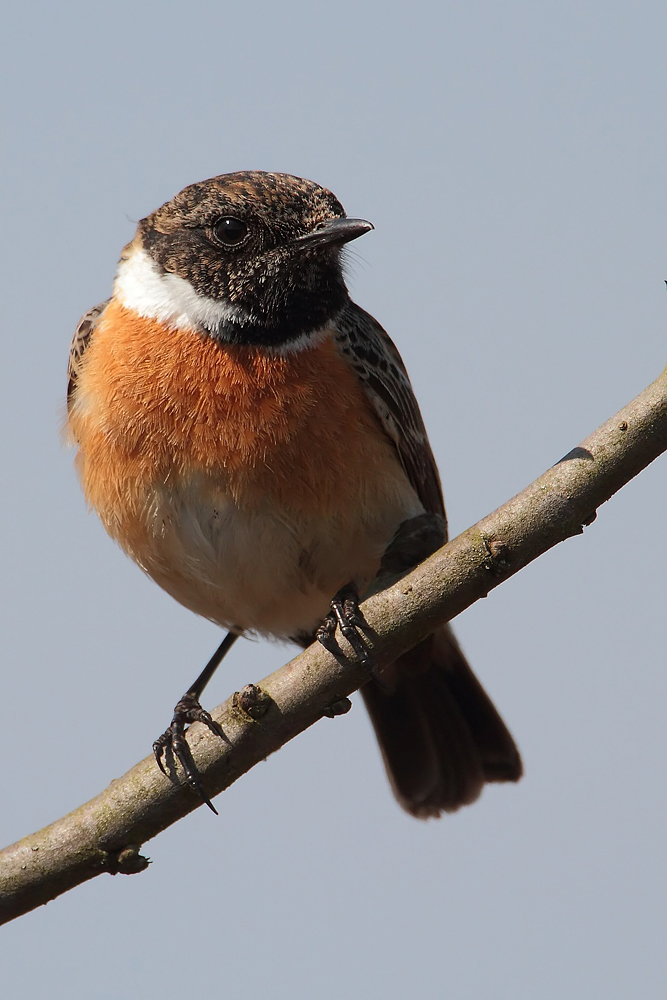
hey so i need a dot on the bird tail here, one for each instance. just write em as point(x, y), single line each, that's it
point(440, 735)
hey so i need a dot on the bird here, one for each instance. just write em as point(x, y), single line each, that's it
point(251, 439)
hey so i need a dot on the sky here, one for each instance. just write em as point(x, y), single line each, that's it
point(511, 157)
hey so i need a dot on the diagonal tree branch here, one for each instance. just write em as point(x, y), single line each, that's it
point(105, 834)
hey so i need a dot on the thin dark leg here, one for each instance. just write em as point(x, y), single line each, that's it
point(189, 710)
point(197, 688)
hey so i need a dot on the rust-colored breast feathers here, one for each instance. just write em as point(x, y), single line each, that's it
point(155, 405)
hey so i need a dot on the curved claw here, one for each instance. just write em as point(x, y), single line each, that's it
point(159, 749)
point(173, 741)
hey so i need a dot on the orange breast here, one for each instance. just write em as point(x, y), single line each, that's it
point(250, 486)
point(155, 405)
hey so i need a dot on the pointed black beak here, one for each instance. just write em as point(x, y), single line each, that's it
point(335, 231)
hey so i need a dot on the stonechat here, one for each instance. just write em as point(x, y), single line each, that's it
point(251, 439)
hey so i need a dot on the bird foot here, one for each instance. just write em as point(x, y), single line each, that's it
point(346, 616)
point(173, 742)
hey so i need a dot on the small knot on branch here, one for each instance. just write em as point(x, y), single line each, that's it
point(251, 701)
point(340, 707)
point(127, 861)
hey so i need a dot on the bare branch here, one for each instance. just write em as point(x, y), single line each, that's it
point(105, 834)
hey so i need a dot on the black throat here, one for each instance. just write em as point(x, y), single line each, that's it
point(283, 315)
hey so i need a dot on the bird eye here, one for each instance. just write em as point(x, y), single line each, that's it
point(230, 231)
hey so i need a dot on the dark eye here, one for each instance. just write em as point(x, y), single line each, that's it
point(230, 231)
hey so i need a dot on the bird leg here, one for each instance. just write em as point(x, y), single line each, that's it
point(188, 710)
point(414, 540)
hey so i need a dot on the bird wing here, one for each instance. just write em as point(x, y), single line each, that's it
point(376, 361)
point(80, 341)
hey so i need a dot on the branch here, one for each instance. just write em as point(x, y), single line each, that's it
point(105, 834)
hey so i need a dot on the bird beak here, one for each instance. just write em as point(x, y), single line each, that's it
point(335, 231)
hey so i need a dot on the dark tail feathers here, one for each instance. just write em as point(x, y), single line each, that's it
point(440, 735)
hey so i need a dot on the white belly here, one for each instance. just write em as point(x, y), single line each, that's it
point(272, 572)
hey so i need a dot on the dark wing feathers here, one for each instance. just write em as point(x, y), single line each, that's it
point(80, 341)
point(378, 364)
point(440, 735)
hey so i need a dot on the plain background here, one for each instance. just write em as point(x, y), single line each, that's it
point(512, 157)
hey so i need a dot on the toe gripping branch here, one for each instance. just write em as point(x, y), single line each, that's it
point(172, 743)
point(415, 540)
point(346, 616)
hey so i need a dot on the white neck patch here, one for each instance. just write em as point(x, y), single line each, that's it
point(141, 286)
point(154, 294)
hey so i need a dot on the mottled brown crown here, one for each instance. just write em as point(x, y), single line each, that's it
point(281, 202)
point(281, 289)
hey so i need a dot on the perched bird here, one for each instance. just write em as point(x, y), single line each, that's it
point(251, 439)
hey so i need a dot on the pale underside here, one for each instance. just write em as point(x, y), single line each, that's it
point(269, 571)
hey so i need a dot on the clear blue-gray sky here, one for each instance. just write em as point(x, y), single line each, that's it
point(512, 158)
